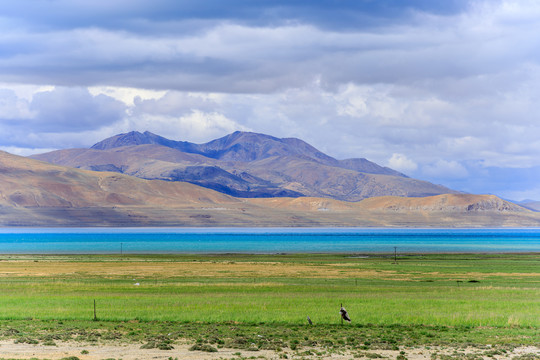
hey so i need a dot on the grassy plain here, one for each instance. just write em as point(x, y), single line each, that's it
point(224, 300)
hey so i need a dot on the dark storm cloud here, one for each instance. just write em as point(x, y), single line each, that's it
point(256, 46)
point(225, 46)
point(134, 14)
point(73, 109)
point(59, 111)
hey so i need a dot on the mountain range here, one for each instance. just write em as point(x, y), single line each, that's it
point(243, 179)
point(36, 193)
point(530, 204)
point(245, 164)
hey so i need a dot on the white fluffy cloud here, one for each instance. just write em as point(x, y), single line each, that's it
point(401, 163)
point(195, 126)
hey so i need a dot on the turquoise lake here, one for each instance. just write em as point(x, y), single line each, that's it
point(256, 240)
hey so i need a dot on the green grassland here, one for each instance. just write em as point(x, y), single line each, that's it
point(218, 299)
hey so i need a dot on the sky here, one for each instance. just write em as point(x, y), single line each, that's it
point(444, 91)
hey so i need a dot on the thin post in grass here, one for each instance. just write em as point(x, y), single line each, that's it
point(395, 254)
point(95, 317)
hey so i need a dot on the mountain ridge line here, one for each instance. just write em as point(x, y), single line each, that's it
point(245, 164)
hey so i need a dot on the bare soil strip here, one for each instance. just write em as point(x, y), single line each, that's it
point(11, 350)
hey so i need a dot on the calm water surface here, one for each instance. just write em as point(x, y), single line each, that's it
point(256, 240)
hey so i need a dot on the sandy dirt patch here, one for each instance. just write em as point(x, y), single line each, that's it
point(10, 350)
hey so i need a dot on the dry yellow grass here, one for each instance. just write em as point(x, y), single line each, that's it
point(223, 269)
point(186, 269)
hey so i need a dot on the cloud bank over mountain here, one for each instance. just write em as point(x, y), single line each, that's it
point(443, 91)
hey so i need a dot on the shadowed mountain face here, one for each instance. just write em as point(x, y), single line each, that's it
point(246, 165)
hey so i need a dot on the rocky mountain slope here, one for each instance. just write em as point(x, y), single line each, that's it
point(246, 165)
point(35, 193)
